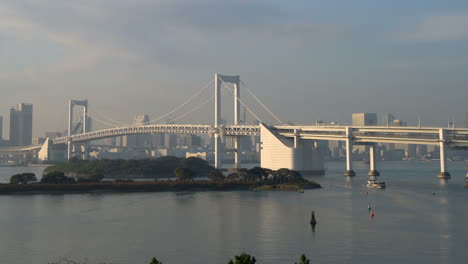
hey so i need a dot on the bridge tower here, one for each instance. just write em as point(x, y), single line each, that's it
point(84, 122)
point(219, 80)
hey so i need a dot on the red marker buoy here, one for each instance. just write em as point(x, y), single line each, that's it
point(372, 213)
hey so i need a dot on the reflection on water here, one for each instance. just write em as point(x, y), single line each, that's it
point(417, 220)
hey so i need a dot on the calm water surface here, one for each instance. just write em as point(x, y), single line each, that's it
point(411, 225)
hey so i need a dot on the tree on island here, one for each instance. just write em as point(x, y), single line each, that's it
point(304, 260)
point(259, 172)
point(216, 175)
point(243, 259)
point(151, 168)
point(96, 177)
point(183, 174)
point(56, 177)
point(155, 261)
point(23, 178)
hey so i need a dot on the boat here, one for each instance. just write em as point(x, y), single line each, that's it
point(376, 184)
point(301, 190)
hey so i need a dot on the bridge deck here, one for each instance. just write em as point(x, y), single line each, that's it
point(456, 137)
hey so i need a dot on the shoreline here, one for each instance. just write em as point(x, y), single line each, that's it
point(140, 186)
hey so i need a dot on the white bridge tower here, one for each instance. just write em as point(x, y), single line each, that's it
point(85, 123)
point(219, 80)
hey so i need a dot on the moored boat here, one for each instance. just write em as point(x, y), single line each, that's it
point(376, 184)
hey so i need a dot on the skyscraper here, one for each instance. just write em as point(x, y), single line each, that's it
point(139, 141)
point(1, 128)
point(465, 121)
point(364, 119)
point(388, 120)
point(21, 124)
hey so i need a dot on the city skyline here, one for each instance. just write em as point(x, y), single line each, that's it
point(380, 120)
point(143, 57)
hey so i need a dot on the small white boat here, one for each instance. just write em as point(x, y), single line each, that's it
point(376, 184)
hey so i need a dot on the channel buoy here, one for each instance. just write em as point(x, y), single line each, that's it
point(372, 214)
point(313, 222)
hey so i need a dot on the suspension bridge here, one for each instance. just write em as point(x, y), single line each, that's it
point(282, 146)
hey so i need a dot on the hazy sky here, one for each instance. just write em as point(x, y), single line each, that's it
point(307, 60)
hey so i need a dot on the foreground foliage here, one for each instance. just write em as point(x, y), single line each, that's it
point(243, 259)
point(155, 261)
point(303, 260)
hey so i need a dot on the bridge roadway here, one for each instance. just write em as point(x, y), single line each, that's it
point(351, 135)
point(455, 138)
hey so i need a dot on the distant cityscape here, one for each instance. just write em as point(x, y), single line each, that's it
point(186, 145)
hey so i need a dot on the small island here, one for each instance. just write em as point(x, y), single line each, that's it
point(93, 176)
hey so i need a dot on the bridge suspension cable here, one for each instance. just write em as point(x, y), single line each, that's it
point(191, 111)
point(261, 103)
point(102, 122)
point(240, 101)
point(108, 118)
point(182, 105)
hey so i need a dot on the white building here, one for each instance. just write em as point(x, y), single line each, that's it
point(280, 152)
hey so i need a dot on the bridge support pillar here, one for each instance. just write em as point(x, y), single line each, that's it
point(443, 159)
point(349, 149)
point(217, 148)
point(236, 152)
point(372, 172)
point(69, 150)
point(84, 155)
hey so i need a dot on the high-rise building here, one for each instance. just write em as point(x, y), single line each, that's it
point(1, 128)
point(388, 119)
point(398, 122)
point(189, 140)
point(465, 121)
point(138, 141)
point(159, 140)
point(170, 141)
point(21, 124)
point(364, 119)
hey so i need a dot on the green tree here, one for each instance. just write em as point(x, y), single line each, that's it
point(259, 172)
point(243, 259)
point(56, 177)
point(233, 176)
point(216, 175)
point(23, 178)
point(97, 177)
point(197, 165)
point(155, 261)
point(303, 260)
point(183, 174)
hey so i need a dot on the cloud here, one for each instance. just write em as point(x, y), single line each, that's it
point(164, 31)
point(437, 28)
point(136, 50)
